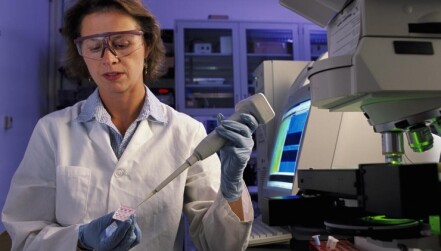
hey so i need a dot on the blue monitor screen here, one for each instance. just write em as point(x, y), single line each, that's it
point(287, 145)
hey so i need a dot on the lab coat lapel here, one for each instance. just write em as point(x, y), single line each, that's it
point(142, 134)
point(100, 137)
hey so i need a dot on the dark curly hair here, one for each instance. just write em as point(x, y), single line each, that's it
point(74, 63)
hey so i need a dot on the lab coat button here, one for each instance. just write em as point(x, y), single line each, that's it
point(120, 172)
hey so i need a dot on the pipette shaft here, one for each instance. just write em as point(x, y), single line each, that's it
point(190, 161)
point(256, 105)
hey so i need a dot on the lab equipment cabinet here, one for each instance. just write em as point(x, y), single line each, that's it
point(215, 60)
point(314, 41)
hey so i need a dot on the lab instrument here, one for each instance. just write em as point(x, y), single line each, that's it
point(382, 60)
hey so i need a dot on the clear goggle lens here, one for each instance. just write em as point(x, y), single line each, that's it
point(119, 44)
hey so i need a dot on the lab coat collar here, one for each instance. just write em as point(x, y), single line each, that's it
point(152, 109)
point(88, 108)
point(157, 112)
point(101, 139)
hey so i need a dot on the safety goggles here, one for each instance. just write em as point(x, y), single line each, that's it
point(120, 44)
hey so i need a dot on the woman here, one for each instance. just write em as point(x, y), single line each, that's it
point(83, 162)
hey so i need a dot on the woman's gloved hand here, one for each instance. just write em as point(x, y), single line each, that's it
point(235, 153)
point(97, 236)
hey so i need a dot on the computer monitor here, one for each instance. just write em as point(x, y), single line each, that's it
point(289, 135)
point(273, 78)
point(287, 145)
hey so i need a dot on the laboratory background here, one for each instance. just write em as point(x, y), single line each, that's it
point(356, 103)
point(31, 47)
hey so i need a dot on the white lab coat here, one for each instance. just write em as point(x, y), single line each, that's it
point(70, 175)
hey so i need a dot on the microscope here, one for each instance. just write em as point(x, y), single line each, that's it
point(384, 59)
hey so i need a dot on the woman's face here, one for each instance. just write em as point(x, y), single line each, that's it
point(112, 74)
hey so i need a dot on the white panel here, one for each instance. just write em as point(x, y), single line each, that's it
point(357, 142)
point(315, 11)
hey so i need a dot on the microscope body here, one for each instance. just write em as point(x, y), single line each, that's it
point(383, 60)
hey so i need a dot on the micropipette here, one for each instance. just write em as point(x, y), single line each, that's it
point(257, 105)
